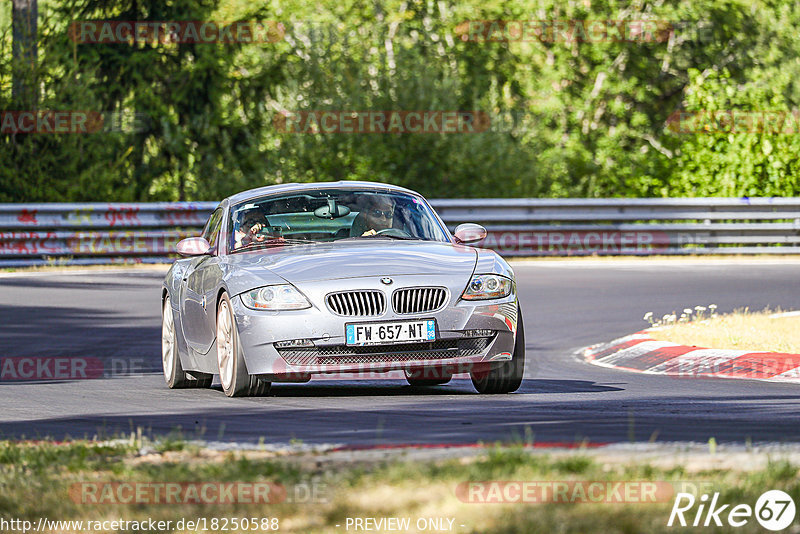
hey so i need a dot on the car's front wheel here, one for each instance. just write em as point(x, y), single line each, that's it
point(233, 375)
point(507, 377)
point(174, 374)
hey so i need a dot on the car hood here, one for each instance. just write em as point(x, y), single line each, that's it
point(354, 259)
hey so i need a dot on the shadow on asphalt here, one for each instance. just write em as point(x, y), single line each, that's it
point(127, 281)
point(458, 386)
point(431, 418)
point(126, 343)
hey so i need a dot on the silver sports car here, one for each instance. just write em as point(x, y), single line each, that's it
point(295, 280)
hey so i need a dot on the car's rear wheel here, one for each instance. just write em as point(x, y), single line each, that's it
point(174, 374)
point(428, 376)
point(233, 375)
point(507, 377)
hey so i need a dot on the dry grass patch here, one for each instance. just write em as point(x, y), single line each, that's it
point(37, 479)
point(741, 330)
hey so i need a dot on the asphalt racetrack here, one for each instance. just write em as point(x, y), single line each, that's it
point(114, 316)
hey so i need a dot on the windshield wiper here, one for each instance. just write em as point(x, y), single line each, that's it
point(273, 242)
point(390, 236)
point(375, 236)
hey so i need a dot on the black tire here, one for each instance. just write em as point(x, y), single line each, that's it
point(174, 375)
point(421, 377)
point(507, 377)
point(236, 381)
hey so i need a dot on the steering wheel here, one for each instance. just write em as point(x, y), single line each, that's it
point(393, 231)
point(264, 233)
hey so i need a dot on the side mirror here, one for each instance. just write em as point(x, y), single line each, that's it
point(469, 233)
point(193, 246)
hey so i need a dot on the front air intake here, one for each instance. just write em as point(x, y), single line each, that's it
point(418, 299)
point(357, 303)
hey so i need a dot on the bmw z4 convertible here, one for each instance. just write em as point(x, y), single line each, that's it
point(296, 280)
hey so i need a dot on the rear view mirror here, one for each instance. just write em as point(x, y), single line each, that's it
point(332, 210)
point(469, 233)
point(193, 246)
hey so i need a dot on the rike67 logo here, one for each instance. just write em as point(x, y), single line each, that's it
point(774, 510)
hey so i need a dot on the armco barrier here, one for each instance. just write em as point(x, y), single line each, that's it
point(33, 234)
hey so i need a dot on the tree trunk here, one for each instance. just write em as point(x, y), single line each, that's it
point(25, 14)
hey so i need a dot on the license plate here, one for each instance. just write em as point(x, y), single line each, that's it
point(383, 333)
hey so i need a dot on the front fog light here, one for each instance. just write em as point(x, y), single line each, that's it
point(478, 333)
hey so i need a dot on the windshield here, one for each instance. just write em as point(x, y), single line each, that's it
point(332, 215)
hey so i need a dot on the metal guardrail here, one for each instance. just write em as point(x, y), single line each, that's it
point(32, 234)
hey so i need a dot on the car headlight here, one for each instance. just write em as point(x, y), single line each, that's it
point(487, 286)
point(280, 297)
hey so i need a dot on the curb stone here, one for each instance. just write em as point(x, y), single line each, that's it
point(640, 353)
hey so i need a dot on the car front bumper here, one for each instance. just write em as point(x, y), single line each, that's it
point(467, 333)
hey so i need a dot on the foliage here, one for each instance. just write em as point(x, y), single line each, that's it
point(590, 117)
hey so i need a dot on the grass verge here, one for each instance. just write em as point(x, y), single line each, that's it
point(39, 480)
point(763, 331)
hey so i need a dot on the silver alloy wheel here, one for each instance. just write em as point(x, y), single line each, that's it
point(168, 342)
point(225, 345)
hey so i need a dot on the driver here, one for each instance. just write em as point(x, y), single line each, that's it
point(377, 215)
point(248, 232)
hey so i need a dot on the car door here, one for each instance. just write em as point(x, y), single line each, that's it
point(198, 290)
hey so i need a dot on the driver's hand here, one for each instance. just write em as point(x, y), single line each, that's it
point(369, 233)
point(255, 228)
